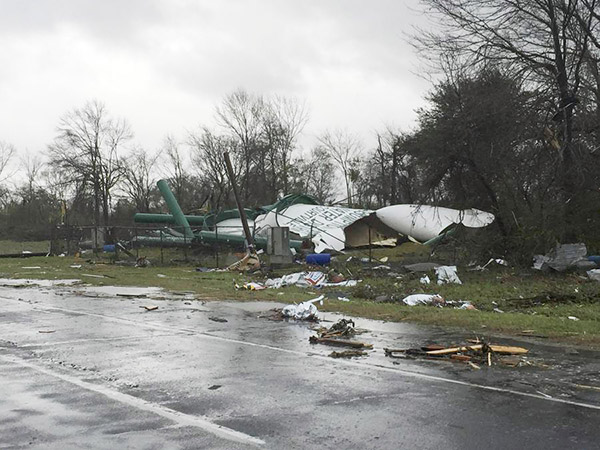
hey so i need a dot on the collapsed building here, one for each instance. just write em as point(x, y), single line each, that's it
point(327, 228)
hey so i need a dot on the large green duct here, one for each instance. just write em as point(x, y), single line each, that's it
point(166, 218)
point(207, 237)
point(175, 208)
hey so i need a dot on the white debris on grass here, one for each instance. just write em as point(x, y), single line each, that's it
point(303, 311)
point(314, 279)
point(423, 299)
point(425, 280)
point(447, 274)
point(594, 274)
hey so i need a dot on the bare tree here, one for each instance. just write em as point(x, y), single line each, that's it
point(33, 167)
point(7, 152)
point(86, 150)
point(283, 120)
point(207, 158)
point(314, 176)
point(345, 150)
point(139, 179)
point(241, 114)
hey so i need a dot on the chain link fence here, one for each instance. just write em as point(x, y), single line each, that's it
point(160, 245)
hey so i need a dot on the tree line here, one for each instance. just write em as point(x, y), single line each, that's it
point(511, 126)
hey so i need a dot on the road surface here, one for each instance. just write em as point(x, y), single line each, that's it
point(91, 368)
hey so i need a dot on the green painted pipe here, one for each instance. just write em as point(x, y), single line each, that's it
point(175, 208)
point(166, 218)
point(207, 237)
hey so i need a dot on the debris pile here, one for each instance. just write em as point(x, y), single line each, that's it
point(337, 335)
point(313, 279)
point(477, 354)
point(436, 300)
point(564, 257)
point(303, 311)
point(447, 274)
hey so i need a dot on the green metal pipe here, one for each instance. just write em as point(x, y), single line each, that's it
point(175, 208)
point(208, 237)
point(166, 218)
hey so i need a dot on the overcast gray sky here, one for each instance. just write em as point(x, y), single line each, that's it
point(164, 64)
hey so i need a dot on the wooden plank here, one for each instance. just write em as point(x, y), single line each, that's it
point(450, 350)
point(339, 342)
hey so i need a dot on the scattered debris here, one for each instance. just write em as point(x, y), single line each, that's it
point(217, 319)
point(150, 308)
point(336, 335)
point(594, 274)
point(347, 354)
point(343, 327)
point(248, 262)
point(75, 266)
point(573, 318)
point(142, 261)
point(306, 279)
point(338, 342)
point(343, 299)
point(482, 353)
point(585, 386)
point(422, 267)
point(251, 286)
point(46, 331)
point(303, 311)
point(424, 299)
point(501, 262)
point(447, 274)
point(563, 257)
point(90, 275)
point(465, 305)
point(503, 349)
point(214, 387)
point(424, 280)
point(31, 267)
point(161, 275)
point(133, 296)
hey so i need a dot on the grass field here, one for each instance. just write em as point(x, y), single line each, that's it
point(532, 302)
point(9, 247)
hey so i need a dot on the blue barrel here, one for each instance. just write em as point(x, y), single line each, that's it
point(318, 259)
point(109, 248)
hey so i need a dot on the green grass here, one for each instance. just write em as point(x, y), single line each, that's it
point(9, 247)
point(530, 300)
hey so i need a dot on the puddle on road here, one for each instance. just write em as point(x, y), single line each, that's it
point(123, 291)
point(26, 282)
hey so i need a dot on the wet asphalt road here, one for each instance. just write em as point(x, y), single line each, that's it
point(85, 368)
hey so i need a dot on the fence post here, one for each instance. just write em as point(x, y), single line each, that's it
point(137, 244)
point(370, 248)
point(161, 247)
point(185, 253)
point(68, 236)
point(217, 244)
